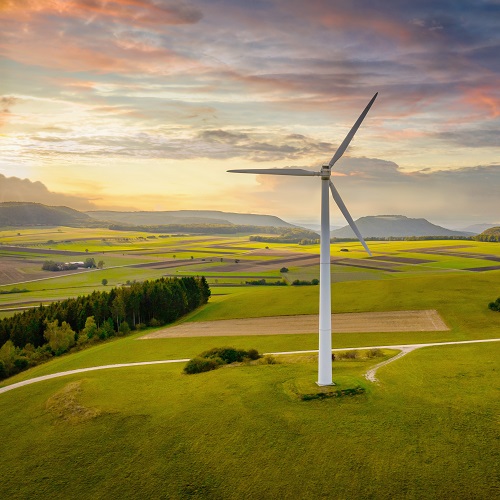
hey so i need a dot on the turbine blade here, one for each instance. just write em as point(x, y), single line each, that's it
point(350, 135)
point(347, 215)
point(276, 171)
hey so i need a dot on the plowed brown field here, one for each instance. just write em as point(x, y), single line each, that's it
point(390, 321)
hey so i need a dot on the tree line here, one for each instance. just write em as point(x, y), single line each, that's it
point(488, 237)
point(37, 334)
point(198, 228)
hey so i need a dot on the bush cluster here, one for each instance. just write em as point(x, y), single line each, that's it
point(314, 281)
point(263, 282)
point(495, 306)
point(218, 356)
point(14, 290)
point(354, 354)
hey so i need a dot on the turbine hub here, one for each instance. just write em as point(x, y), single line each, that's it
point(326, 172)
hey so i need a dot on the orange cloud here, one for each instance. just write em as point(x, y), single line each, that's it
point(63, 51)
point(485, 98)
point(135, 12)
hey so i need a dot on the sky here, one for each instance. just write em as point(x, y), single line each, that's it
point(145, 104)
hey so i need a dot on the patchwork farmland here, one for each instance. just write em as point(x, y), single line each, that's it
point(153, 430)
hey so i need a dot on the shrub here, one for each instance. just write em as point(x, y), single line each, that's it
point(495, 306)
point(348, 355)
point(154, 322)
point(284, 270)
point(269, 360)
point(200, 365)
point(374, 353)
point(124, 328)
point(21, 363)
point(213, 358)
point(253, 354)
point(315, 281)
point(226, 354)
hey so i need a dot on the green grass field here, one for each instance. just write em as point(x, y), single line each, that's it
point(428, 430)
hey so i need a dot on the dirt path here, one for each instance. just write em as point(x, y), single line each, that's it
point(370, 375)
point(387, 321)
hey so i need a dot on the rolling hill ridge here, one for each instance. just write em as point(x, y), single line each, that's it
point(14, 213)
point(188, 217)
point(385, 226)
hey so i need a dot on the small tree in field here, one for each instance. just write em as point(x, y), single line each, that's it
point(89, 263)
point(104, 281)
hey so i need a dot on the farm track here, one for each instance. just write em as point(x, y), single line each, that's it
point(369, 375)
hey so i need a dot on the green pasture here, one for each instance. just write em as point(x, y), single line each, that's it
point(460, 299)
point(427, 431)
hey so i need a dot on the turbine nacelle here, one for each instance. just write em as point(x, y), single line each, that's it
point(326, 172)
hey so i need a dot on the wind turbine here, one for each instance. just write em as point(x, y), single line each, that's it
point(325, 318)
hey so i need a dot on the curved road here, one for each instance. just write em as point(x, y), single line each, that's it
point(370, 374)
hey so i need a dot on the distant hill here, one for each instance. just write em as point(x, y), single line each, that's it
point(491, 234)
point(35, 214)
point(384, 226)
point(478, 228)
point(188, 217)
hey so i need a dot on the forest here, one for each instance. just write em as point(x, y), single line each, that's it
point(37, 334)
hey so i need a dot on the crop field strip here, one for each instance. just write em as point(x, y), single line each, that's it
point(255, 262)
point(47, 251)
point(468, 255)
point(482, 269)
point(400, 260)
point(368, 264)
point(387, 321)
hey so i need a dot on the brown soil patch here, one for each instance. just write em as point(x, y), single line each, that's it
point(481, 269)
point(389, 321)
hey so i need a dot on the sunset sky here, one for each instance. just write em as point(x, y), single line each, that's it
point(144, 104)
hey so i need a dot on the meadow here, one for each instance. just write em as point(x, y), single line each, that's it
point(427, 430)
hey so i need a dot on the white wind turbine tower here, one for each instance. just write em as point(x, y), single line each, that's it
point(325, 318)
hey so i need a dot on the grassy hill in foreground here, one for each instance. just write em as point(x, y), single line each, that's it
point(242, 432)
point(384, 226)
point(34, 214)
